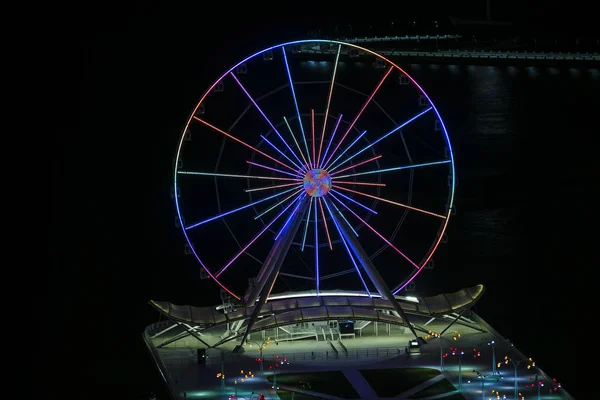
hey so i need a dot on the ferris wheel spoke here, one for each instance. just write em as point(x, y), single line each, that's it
point(287, 68)
point(317, 276)
point(298, 171)
point(378, 234)
point(344, 217)
point(306, 163)
point(271, 187)
point(332, 191)
point(265, 117)
point(354, 165)
point(391, 202)
point(278, 204)
point(359, 114)
point(337, 57)
point(330, 165)
point(214, 174)
point(325, 222)
point(294, 211)
point(243, 250)
point(359, 183)
point(331, 139)
point(396, 129)
point(273, 169)
point(307, 221)
point(239, 209)
point(312, 125)
point(378, 171)
point(346, 245)
point(242, 142)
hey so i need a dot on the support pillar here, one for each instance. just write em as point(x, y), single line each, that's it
point(270, 269)
point(373, 274)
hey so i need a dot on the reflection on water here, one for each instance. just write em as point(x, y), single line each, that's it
point(517, 134)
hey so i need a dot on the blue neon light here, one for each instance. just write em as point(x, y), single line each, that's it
point(378, 171)
point(383, 137)
point(280, 152)
point(287, 68)
point(241, 208)
point(345, 150)
point(317, 250)
point(351, 199)
point(346, 246)
point(300, 198)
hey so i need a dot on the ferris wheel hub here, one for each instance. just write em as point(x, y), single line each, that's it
point(317, 182)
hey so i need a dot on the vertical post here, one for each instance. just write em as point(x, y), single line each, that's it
point(441, 355)
point(460, 372)
point(482, 387)
point(494, 357)
point(262, 372)
point(222, 371)
point(537, 382)
point(516, 381)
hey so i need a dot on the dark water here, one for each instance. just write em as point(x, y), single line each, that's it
point(517, 133)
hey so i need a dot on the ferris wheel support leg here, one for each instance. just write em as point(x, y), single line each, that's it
point(270, 269)
point(372, 272)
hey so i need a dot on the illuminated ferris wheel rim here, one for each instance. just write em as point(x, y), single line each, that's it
point(315, 180)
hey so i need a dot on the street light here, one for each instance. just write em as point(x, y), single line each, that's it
point(437, 335)
point(516, 364)
point(537, 382)
point(455, 351)
point(482, 377)
point(278, 361)
point(241, 379)
point(261, 347)
point(493, 344)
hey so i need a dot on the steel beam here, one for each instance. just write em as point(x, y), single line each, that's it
point(270, 269)
point(372, 272)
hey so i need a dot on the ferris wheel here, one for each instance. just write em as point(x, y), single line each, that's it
point(310, 166)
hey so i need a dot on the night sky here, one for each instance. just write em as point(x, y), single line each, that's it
point(129, 78)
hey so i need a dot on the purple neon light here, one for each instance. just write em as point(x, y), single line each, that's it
point(243, 250)
point(271, 168)
point(318, 278)
point(347, 248)
point(378, 234)
point(266, 118)
point(299, 171)
point(352, 200)
point(331, 139)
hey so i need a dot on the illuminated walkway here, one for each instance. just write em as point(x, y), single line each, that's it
point(375, 349)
